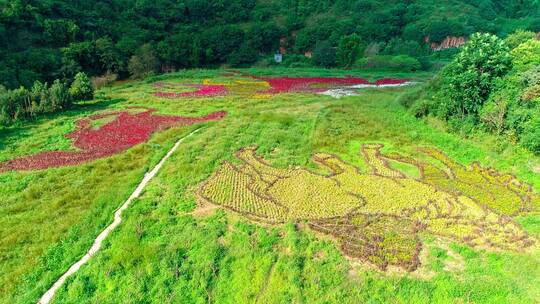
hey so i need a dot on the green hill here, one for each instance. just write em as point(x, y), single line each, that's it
point(50, 39)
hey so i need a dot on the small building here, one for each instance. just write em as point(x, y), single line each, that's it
point(278, 58)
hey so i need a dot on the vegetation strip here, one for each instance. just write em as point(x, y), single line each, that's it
point(47, 297)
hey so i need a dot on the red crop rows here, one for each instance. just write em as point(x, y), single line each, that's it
point(125, 131)
point(203, 90)
point(305, 84)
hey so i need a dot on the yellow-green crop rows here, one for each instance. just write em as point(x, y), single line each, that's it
point(377, 216)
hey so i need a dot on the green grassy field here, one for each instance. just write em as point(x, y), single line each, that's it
point(164, 252)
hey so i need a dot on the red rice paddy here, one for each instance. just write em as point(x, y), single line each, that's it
point(305, 84)
point(125, 131)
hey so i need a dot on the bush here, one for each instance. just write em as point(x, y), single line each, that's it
point(526, 55)
point(531, 93)
point(324, 55)
point(530, 139)
point(296, 61)
point(386, 62)
point(493, 114)
point(81, 88)
point(244, 56)
point(422, 108)
point(531, 77)
point(518, 37)
point(104, 81)
point(59, 95)
point(41, 101)
point(144, 63)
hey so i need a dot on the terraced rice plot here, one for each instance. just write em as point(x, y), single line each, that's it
point(378, 215)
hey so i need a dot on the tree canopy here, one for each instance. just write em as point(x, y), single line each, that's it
point(49, 39)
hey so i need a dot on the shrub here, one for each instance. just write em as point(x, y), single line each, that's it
point(15, 105)
point(59, 95)
point(493, 114)
point(410, 97)
point(104, 81)
point(530, 138)
point(244, 56)
point(41, 101)
point(81, 88)
point(386, 62)
point(531, 77)
point(324, 55)
point(531, 93)
point(518, 37)
point(526, 55)
point(422, 108)
point(295, 61)
point(144, 63)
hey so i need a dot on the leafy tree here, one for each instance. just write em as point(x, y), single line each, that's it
point(244, 56)
point(264, 37)
point(535, 25)
point(470, 78)
point(83, 55)
point(518, 37)
point(109, 59)
point(220, 42)
point(526, 55)
point(18, 104)
point(81, 88)
point(348, 50)
point(175, 51)
point(413, 32)
point(46, 40)
point(305, 40)
point(144, 63)
point(324, 55)
point(60, 31)
point(438, 30)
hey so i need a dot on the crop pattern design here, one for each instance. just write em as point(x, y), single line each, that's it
point(264, 87)
point(104, 135)
point(377, 216)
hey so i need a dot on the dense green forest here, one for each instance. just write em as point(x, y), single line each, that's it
point(55, 39)
point(493, 85)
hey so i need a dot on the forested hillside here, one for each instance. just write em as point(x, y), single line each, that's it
point(54, 39)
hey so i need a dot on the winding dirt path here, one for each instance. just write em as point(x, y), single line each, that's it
point(47, 297)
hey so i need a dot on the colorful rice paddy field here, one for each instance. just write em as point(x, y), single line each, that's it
point(300, 186)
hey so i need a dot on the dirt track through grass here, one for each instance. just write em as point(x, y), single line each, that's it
point(47, 297)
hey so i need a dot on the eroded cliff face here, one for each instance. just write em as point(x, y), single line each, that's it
point(448, 43)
